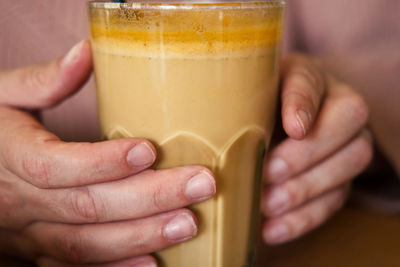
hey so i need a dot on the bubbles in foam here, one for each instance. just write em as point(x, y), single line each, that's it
point(186, 32)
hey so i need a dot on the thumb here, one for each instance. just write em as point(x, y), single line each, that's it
point(43, 86)
point(40, 158)
point(303, 90)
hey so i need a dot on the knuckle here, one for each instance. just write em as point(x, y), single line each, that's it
point(157, 199)
point(308, 76)
point(34, 78)
point(298, 94)
point(84, 205)
point(301, 90)
point(301, 78)
point(70, 245)
point(308, 70)
point(38, 170)
point(357, 108)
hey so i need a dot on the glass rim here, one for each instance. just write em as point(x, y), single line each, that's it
point(189, 4)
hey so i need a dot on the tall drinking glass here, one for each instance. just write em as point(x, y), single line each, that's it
point(199, 79)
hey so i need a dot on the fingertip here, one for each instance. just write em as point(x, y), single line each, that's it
point(77, 63)
point(183, 226)
point(275, 201)
point(86, 52)
point(276, 170)
point(275, 233)
point(79, 50)
point(65, 76)
point(142, 154)
point(297, 123)
point(201, 186)
point(304, 120)
point(302, 93)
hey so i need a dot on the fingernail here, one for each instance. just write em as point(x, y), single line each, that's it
point(277, 233)
point(180, 228)
point(278, 170)
point(200, 187)
point(141, 155)
point(145, 264)
point(72, 55)
point(304, 119)
point(278, 200)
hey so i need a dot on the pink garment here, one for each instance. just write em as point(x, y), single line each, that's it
point(359, 39)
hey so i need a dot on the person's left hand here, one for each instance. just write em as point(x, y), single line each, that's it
point(309, 173)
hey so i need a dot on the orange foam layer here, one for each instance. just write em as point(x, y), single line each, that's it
point(262, 35)
point(211, 29)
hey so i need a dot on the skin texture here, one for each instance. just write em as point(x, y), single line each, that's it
point(66, 203)
point(358, 43)
point(78, 202)
point(309, 171)
point(357, 51)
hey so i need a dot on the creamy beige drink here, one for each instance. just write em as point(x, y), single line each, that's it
point(200, 81)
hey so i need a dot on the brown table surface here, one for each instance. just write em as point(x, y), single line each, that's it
point(353, 238)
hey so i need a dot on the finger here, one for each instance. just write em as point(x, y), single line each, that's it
point(302, 92)
point(47, 84)
point(304, 219)
point(142, 261)
point(43, 160)
point(342, 116)
point(336, 170)
point(97, 243)
point(150, 192)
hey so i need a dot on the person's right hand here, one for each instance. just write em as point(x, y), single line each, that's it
point(71, 204)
